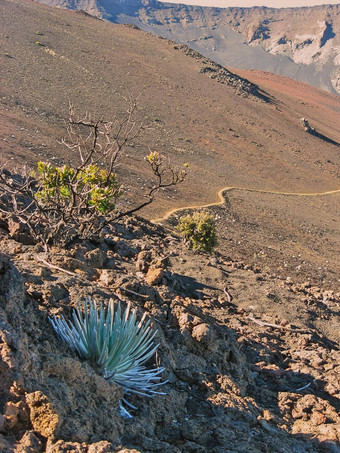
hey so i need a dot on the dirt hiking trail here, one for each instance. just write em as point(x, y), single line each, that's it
point(221, 201)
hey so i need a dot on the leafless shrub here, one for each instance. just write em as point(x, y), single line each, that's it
point(60, 204)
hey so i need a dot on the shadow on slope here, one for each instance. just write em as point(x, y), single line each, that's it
point(324, 138)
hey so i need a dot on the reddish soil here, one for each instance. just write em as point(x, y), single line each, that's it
point(258, 388)
point(250, 360)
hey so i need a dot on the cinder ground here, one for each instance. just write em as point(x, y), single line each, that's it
point(229, 137)
point(252, 362)
point(277, 253)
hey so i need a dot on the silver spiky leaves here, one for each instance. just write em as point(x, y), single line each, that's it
point(117, 342)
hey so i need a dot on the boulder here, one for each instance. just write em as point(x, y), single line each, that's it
point(154, 276)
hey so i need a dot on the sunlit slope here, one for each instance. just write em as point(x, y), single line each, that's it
point(51, 56)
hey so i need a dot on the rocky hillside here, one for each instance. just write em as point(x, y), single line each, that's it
point(301, 43)
point(283, 182)
point(246, 372)
point(249, 336)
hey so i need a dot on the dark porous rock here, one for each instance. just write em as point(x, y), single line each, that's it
point(144, 259)
point(5, 444)
point(204, 334)
point(100, 447)
point(125, 250)
point(19, 232)
point(3, 222)
point(30, 443)
point(62, 447)
point(11, 285)
point(44, 416)
point(95, 258)
point(108, 277)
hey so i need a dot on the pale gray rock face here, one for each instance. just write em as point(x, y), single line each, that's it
point(300, 43)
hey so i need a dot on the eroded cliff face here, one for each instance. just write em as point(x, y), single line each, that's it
point(302, 43)
point(308, 36)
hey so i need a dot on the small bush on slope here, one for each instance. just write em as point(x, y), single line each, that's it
point(200, 229)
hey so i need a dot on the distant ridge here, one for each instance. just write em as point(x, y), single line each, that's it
point(301, 43)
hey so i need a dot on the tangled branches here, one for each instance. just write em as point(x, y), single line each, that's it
point(60, 204)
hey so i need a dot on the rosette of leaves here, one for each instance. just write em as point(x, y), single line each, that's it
point(116, 342)
point(200, 229)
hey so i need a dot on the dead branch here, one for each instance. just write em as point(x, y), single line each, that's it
point(229, 298)
point(166, 176)
point(61, 204)
point(60, 269)
point(276, 326)
point(129, 291)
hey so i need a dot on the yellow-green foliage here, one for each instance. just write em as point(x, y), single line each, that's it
point(91, 185)
point(200, 229)
point(154, 158)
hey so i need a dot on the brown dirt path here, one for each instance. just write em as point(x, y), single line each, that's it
point(221, 201)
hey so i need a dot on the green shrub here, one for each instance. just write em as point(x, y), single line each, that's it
point(92, 188)
point(200, 229)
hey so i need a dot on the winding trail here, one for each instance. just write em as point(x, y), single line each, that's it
point(221, 201)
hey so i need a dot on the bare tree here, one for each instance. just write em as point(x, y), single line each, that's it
point(60, 204)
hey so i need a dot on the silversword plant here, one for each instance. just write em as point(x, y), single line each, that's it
point(117, 342)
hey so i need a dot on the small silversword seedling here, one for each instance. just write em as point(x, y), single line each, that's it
point(117, 342)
